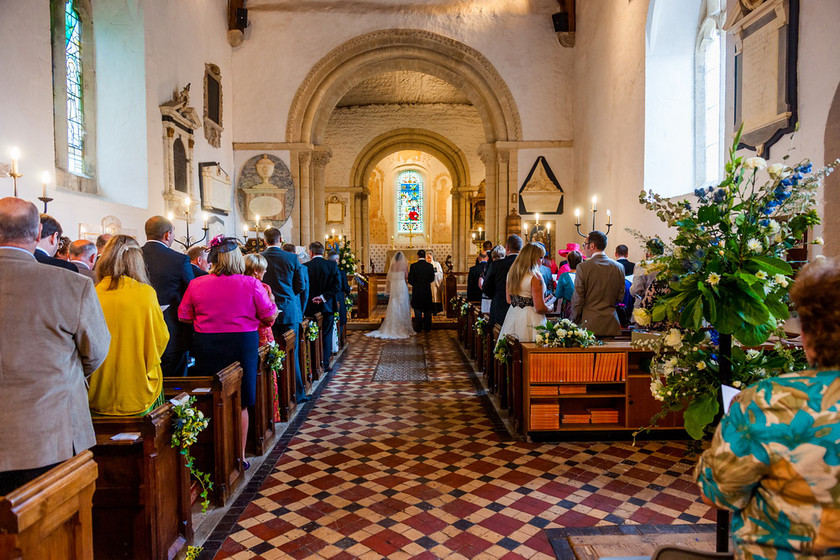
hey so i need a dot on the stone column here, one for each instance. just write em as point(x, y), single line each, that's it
point(320, 157)
point(356, 234)
point(305, 226)
point(487, 153)
point(364, 233)
point(504, 191)
point(457, 231)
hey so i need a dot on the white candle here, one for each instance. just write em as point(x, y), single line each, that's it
point(206, 217)
point(594, 203)
point(537, 218)
point(246, 229)
point(548, 226)
point(45, 178)
point(473, 235)
point(609, 215)
point(525, 226)
point(170, 215)
point(257, 222)
point(15, 153)
point(333, 232)
point(577, 216)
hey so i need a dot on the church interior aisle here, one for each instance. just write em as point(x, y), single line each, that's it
point(416, 470)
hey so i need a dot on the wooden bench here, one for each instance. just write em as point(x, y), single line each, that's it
point(141, 507)
point(261, 428)
point(217, 450)
point(286, 377)
point(317, 349)
point(50, 517)
point(305, 357)
point(489, 362)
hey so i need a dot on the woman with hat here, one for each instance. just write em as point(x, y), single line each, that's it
point(226, 310)
point(564, 253)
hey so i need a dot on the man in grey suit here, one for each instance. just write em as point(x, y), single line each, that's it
point(599, 285)
point(52, 335)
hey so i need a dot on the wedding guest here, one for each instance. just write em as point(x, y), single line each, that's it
point(545, 271)
point(342, 295)
point(48, 244)
point(52, 336)
point(474, 277)
point(170, 273)
point(198, 260)
point(773, 459)
point(599, 285)
point(566, 284)
point(83, 255)
point(324, 284)
point(525, 292)
point(130, 381)
point(226, 310)
point(487, 246)
point(495, 280)
point(564, 253)
point(551, 264)
point(621, 252)
point(63, 251)
point(101, 241)
point(437, 285)
point(256, 266)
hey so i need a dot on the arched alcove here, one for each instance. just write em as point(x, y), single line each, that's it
point(402, 49)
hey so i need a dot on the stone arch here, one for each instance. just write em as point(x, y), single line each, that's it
point(402, 49)
point(411, 139)
point(831, 185)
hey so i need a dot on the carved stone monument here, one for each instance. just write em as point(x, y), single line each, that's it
point(541, 193)
point(766, 36)
point(180, 121)
point(265, 189)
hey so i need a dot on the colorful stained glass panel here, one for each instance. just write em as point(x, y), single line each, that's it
point(409, 202)
point(75, 107)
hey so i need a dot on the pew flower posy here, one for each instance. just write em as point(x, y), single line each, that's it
point(275, 358)
point(187, 423)
point(564, 334)
point(503, 352)
point(480, 324)
point(312, 331)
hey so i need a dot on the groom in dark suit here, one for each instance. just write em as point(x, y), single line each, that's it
point(323, 285)
point(420, 276)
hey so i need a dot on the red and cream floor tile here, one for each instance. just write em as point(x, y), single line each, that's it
point(416, 470)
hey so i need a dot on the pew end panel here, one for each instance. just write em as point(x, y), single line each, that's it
point(50, 517)
point(141, 507)
point(261, 428)
point(286, 377)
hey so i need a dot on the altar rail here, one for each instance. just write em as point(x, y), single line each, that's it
point(50, 517)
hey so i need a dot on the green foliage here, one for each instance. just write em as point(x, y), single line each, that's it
point(564, 333)
point(187, 423)
point(502, 352)
point(480, 324)
point(275, 359)
point(312, 331)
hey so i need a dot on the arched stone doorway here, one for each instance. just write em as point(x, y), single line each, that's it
point(398, 50)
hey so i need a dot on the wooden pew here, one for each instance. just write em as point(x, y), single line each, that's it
point(141, 507)
point(50, 517)
point(515, 388)
point(261, 428)
point(500, 373)
point(286, 377)
point(469, 331)
point(489, 362)
point(305, 356)
point(367, 297)
point(217, 450)
point(481, 344)
point(450, 290)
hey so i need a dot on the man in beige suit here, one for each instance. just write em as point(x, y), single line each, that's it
point(599, 285)
point(52, 335)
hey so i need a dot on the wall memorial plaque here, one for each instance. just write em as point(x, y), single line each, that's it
point(265, 189)
point(765, 34)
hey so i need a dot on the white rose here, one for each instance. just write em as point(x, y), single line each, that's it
point(754, 245)
point(819, 241)
point(781, 280)
point(775, 170)
point(674, 339)
point(641, 316)
point(755, 163)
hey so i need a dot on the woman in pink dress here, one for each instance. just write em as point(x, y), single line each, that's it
point(256, 265)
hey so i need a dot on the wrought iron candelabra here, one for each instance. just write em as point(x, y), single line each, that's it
point(594, 212)
point(188, 241)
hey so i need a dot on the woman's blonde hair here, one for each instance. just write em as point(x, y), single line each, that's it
point(254, 264)
point(527, 262)
point(121, 256)
point(228, 264)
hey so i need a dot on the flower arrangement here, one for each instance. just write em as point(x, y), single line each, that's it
point(346, 259)
point(312, 331)
point(564, 334)
point(503, 352)
point(193, 552)
point(686, 369)
point(276, 358)
point(465, 308)
point(461, 305)
point(187, 423)
point(480, 324)
point(725, 269)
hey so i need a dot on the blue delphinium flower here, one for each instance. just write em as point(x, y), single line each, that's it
point(806, 168)
point(715, 337)
point(720, 195)
point(700, 193)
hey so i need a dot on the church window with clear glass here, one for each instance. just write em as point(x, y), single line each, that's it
point(708, 102)
point(409, 202)
point(75, 109)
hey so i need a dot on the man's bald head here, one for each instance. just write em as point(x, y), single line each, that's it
point(157, 228)
point(20, 223)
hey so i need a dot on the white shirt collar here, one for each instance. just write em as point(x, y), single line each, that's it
point(158, 241)
point(597, 253)
point(83, 263)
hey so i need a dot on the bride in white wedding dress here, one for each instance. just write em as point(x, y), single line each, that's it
point(397, 323)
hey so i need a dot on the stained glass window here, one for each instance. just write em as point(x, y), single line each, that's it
point(409, 202)
point(75, 107)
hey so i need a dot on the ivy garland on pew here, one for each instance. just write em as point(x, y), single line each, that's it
point(312, 331)
point(276, 358)
point(193, 552)
point(187, 423)
point(480, 324)
point(465, 307)
point(565, 334)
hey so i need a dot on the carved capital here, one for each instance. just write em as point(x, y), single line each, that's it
point(321, 158)
point(503, 156)
point(304, 158)
point(487, 153)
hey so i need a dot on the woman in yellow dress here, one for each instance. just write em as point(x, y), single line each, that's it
point(129, 382)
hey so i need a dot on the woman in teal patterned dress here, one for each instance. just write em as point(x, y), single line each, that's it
point(775, 457)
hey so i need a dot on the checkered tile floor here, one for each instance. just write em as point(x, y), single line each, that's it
point(416, 470)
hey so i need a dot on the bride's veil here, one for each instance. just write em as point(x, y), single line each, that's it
point(398, 266)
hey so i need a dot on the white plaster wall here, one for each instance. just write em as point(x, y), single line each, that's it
point(282, 46)
point(609, 118)
point(152, 46)
point(350, 129)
